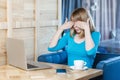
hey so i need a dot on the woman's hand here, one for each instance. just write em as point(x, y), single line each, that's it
point(82, 25)
point(67, 25)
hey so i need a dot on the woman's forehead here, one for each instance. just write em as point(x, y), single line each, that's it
point(73, 19)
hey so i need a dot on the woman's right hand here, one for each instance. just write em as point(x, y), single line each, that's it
point(67, 25)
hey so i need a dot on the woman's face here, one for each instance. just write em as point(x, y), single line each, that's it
point(77, 29)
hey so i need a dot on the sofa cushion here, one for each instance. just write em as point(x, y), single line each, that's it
point(57, 57)
point(111, 68)
point(101, 56)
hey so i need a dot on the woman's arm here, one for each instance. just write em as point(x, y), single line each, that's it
point(96, 39)
point(89, 43)
point(56, 37)
point(91, 39)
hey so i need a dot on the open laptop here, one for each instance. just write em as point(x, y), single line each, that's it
point(16, 56)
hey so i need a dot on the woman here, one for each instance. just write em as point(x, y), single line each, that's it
point(81, 42)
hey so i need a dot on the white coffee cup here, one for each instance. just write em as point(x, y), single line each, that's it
point(79, 64)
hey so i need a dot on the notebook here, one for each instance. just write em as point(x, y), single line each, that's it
point(16, 56)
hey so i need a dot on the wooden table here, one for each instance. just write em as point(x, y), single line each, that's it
point(8, 72)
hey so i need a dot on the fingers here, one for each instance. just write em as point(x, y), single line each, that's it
point(68, 23)
point(66, 20)
point(88, 20)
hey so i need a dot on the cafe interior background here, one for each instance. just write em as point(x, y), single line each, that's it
point(35, 22)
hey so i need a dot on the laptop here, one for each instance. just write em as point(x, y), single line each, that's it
point(16, 56)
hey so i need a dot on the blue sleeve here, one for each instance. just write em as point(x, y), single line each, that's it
point(62, 42)
point(96, 39)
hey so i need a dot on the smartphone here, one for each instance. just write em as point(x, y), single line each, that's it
point(61, 71)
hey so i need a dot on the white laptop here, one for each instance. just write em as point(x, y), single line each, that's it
point(16, 56)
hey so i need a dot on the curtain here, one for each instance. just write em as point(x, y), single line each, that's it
point(68, 6)
point(118, 20)
point(104, 15)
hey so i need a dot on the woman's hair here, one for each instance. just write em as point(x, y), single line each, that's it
point(81, 14)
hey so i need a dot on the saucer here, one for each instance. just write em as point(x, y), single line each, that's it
point(73, 68)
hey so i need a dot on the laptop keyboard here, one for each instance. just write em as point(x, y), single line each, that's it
point(31, 66)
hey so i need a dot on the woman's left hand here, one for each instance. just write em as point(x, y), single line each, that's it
point(82, 25)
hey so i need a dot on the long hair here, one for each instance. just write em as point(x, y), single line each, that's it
point(81, 14)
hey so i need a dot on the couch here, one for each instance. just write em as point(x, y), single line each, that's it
point(109, 63)
point(109, 46)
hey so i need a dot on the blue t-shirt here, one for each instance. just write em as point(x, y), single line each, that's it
point(77, 51)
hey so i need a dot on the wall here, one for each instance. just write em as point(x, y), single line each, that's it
point(3, 32)
point(34, 21)
point(47, 19)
